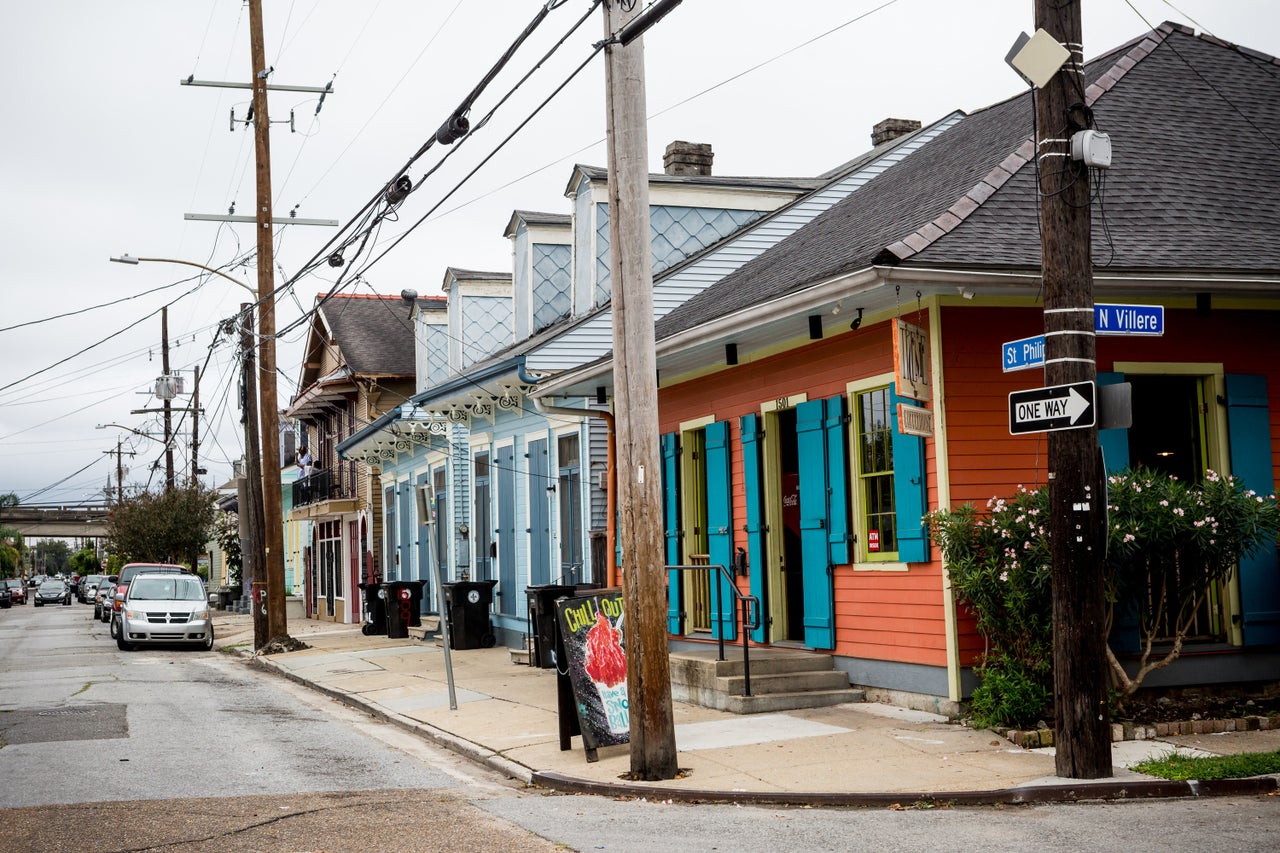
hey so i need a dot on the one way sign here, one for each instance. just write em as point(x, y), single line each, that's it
point(1053, 408)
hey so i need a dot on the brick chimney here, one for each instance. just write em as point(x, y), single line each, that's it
point(687, 158)
point(892, 128)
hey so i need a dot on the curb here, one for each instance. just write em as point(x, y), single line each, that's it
point(1133, 789)
point(1111, 791)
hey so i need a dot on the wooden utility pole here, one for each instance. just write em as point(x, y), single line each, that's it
point(195, 427)
point(1077, 495)
point(252, 551)
point(273, 524)
point(168, 404)
point(653, 742)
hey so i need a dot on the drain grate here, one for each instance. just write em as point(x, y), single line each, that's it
point(67, 712)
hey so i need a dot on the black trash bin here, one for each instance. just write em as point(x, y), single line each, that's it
point(403, 603)
point(468, 603)
point(375, 609)
point(542, 621)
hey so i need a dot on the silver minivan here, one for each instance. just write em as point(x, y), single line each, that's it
point(165, 608)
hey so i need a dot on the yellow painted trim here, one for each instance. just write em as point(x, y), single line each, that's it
point(771, 475)
point(943, 466)
point(697, 423)
point(887, 566)
point(789, 401)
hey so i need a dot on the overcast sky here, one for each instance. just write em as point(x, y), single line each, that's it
point(103, 152)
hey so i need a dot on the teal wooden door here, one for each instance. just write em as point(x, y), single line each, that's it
point(720, 528)
point(749, 428)
point(819, 597)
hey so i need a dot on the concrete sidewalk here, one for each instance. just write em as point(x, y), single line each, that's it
point(851, 754)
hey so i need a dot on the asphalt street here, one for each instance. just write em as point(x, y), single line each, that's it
point(169, 749)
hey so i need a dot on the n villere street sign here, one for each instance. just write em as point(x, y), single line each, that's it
point(1056, 407)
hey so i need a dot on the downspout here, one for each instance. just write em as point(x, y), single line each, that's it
point(610, 532)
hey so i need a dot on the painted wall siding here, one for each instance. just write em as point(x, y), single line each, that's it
point(882, 615)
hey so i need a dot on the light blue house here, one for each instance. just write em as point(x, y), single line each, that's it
point(521, 492)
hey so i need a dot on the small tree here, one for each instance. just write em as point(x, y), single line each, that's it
point(164, 527)
point(1169, 543)
point(226, 532)
point(85, 562)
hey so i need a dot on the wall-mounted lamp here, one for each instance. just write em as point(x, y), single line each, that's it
point(857, 321)
point(965, 293)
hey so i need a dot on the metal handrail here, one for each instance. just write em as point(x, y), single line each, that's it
point(750, 615)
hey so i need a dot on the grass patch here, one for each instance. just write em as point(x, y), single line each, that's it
point(1179, 767)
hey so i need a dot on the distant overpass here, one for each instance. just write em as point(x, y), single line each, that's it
point(57, 520)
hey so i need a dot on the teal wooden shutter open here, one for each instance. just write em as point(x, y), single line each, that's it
point(836, 427)
point(1249, 434)
point(720, 528)
point(749, 428)
point(819, 599)
point(910, 491)
point(671, 526)
point(1114, 442)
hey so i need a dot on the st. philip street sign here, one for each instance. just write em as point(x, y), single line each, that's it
point(1056, 407)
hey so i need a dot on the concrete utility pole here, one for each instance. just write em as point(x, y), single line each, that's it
point(273, 524)
point(653, 742)
point(168, 404)
point(1077, 494)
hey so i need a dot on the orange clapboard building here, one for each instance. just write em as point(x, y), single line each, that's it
point(817, 400)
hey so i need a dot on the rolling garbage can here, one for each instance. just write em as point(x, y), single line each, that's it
point(403, 603)
point(542, 621)
point(375, 609)
point(468, 603)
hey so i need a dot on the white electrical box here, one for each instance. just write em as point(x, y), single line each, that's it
point(1091, 147)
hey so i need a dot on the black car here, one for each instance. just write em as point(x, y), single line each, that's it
point(53, 592)
point(5, 601)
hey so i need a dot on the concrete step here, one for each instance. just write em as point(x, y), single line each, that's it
point(774, 702)
point(702, 665)
point(785, 682)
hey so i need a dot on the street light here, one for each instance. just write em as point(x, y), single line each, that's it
point(129, 259)
point(130, 429)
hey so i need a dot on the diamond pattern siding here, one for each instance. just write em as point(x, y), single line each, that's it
point(552, 267)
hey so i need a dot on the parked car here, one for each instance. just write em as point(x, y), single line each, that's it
point(17, 590)
point(102, 598)
point(127, 574)
point(35, 581)
point(165, 608)
point(53, 592)
point(5, 598)
point(87, 588)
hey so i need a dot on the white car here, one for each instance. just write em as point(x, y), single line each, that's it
point(165, 608)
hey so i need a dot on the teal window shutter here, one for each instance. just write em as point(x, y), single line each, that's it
point(720, 528)
point(671, 526)
point(749, 428)
point(1114, 442)
point(819, 599)
point(1249, 434)
point(1125, 634)
point(837, 434)
point(910, 491)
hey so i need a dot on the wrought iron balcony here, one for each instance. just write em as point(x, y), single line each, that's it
point(320, 486)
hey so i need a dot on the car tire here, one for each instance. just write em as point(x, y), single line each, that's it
point(38, 604)
point(124, 645)
point(208, 640)
point(115, 630)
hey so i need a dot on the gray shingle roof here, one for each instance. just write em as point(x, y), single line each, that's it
point(374, 333)
point(1194, 185)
